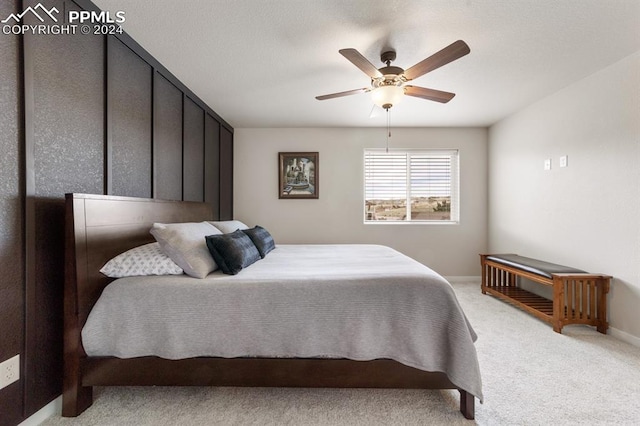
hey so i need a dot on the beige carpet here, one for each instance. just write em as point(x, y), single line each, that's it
point(531, 376)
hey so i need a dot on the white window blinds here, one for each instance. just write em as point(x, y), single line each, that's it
point(385, 176)
point(403, 186)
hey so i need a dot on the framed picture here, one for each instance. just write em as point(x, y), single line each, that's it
point(298, 177)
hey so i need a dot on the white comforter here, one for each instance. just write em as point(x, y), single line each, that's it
point(360, 302)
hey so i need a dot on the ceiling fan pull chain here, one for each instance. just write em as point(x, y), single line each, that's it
point(388, 128)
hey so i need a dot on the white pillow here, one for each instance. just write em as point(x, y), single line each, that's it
point(229, 226)
point(143, 260)
point(185, 244)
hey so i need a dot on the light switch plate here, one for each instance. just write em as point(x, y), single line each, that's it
point(547, 164)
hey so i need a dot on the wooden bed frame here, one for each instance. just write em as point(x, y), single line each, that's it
point(99, 227)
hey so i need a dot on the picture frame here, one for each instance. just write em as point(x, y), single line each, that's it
point(298, 175)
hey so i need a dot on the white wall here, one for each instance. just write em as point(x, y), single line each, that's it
point(588, 214)
point(337, 216)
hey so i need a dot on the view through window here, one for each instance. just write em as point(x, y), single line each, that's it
point(415, 186)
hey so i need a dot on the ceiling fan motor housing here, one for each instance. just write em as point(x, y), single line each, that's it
point(394, 71)
point(388, 57)
point(391, 76)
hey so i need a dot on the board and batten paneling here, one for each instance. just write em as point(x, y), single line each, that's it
point(167, 143)
point(212, 163)
point(226, 174)
point(128, 122)
point(193, 152)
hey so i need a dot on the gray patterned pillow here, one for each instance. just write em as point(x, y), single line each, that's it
point(233, 251)
point(143, 260)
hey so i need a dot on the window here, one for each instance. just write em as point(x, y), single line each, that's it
point(411, 186)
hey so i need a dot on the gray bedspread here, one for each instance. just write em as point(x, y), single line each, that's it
point(360, 302)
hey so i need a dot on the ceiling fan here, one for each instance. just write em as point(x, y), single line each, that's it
point(388, 84)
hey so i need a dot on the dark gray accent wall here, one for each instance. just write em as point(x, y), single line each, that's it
point(226, 174)
point(193, 152)
point(212, 163)
point(167, 146)
point(129, 91)
point(11, 217)
point(82, 113)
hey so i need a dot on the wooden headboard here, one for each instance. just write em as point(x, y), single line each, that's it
point(99, 227)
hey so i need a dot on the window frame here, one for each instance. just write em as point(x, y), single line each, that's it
point(454, 187)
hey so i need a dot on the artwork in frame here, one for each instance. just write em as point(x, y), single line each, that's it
point(298, 177)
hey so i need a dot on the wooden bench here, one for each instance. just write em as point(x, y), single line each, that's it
point(578, 297)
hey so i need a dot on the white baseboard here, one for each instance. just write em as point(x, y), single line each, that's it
point(464, 279)
point(624, 336)
point(51, 409)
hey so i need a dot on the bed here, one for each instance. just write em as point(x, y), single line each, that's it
point(327, 316)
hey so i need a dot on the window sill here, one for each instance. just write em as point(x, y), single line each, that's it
point(411, 222)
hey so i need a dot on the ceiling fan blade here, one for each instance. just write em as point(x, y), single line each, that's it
point(430, 94)
point(341, 94)
point(361, 62)
point(450, 53)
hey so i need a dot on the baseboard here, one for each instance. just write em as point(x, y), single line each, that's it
point(624, 336)
point(464, 279)
point(54, 408)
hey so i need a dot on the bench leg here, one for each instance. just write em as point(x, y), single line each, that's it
point(558, 304)
point(486, 279)
point(603, 289)
point(484, 268)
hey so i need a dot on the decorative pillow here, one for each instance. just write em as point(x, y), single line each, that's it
point(184, 243)
point(232, 251)
point(261, 238)
point(143, 260)
point(229, 226)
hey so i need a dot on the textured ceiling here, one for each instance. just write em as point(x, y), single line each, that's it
point(261, 63)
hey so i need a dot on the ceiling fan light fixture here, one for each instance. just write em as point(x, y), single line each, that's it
point(387, 96)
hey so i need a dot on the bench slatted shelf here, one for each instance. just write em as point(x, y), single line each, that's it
point(578, 297)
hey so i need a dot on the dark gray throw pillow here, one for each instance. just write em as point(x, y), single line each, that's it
point(233, 251)
point(262, 239)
